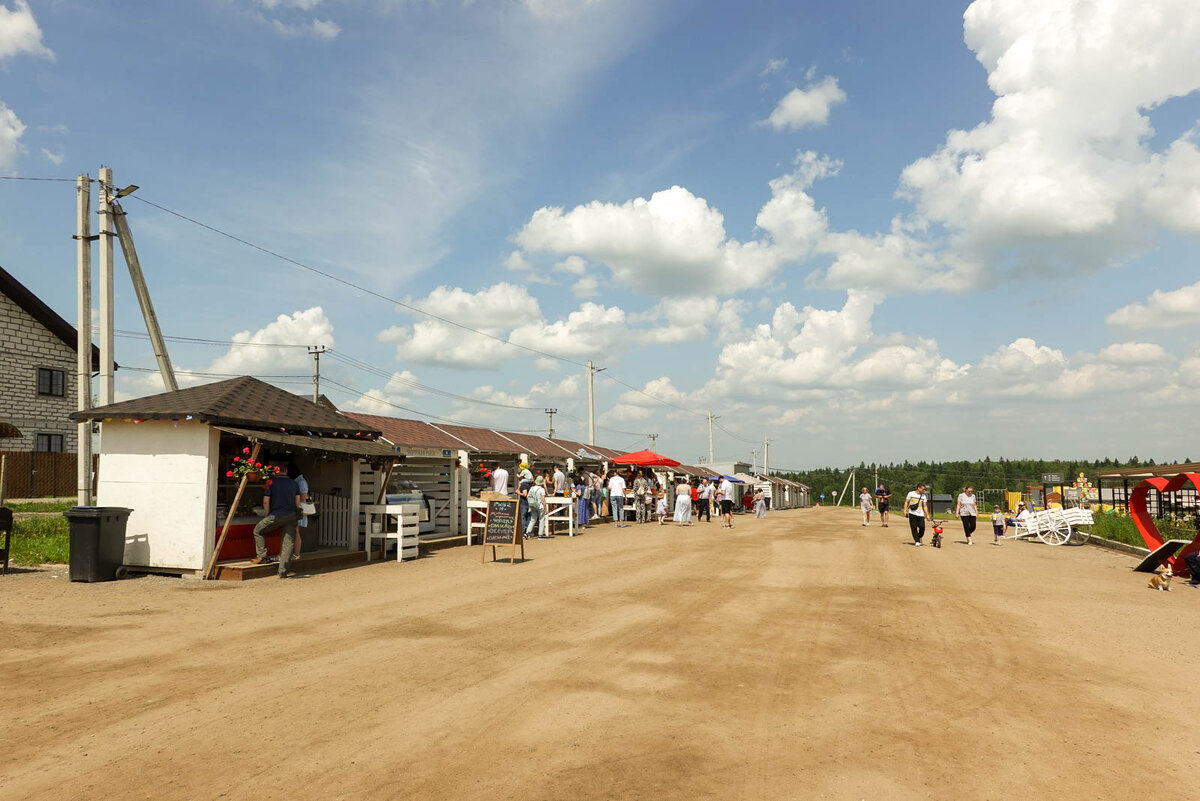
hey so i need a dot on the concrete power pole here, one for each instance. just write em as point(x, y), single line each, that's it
point(316, 351)
point(104, 210)
point(592, 370)
point(710, 439)
point(143, 294)
point(83, 341)
point(551, 412)
point(653, 441)
point(766, 456)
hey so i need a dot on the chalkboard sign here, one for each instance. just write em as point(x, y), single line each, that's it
point(501, 527)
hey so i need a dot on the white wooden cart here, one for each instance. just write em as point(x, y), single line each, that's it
point(1057, 526)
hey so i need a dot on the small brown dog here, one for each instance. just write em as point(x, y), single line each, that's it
point(1162, 581)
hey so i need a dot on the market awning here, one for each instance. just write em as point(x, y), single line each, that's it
point(345, 446)
point(645, 459)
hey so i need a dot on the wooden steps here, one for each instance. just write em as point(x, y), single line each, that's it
point(313, 562)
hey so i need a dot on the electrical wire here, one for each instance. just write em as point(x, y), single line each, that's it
point(448, 420)
point(358, 287)
point(393, 377)
point(373, 293)
point(23, 178)
point(200, 341)
point(307, 378)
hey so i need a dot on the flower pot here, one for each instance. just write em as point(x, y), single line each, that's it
point(253, 475)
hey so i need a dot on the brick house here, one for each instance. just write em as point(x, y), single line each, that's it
point(37, 371)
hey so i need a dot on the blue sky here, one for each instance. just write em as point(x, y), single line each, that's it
point(873, 232)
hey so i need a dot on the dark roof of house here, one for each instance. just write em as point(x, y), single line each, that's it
point(484, 439)
point(412, 433)
point(19, 294)
point(537, 446)
point(245, 402)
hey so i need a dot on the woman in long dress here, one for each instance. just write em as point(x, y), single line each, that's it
point(683, 504)
point(583, 506)
point(760, 504)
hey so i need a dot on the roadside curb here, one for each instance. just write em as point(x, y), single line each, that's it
point(1113, 545)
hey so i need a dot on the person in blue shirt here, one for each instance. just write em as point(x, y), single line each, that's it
point(281, 501)
point(293, 471)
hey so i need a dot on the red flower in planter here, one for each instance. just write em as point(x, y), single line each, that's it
point(245, 450)
point(228, 474)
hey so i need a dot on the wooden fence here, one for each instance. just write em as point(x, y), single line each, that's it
point(30, 474)
point(334, 522)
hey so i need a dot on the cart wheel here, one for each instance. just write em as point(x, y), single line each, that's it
point(122, 572)
point(1079, 536)
point(1057, 536)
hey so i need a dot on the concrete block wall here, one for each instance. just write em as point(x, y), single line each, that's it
point(25, 345)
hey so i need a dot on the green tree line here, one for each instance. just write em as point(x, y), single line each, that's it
point(1015, 475)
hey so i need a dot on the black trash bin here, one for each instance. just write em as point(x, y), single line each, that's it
point(97, 541)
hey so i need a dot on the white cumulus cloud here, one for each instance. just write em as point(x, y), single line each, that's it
point(664, 245)
point(1172, 309)
point(20, 34)
point(809, 106)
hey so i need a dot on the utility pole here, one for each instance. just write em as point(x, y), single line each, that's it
point(753, 461)
point(316, 351)
point(83, 341)
point(592, 370)
point(653, 441)
point(104, 210)
point(551, 412)
point(143, 294)
point(710, 441)
point(766, 456)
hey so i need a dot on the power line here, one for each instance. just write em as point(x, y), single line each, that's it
point(23, 178)
point(390, 377)
point(368, 291)
point(201, 341)
point(355, 286)
point(449, 420)
point(211, 375)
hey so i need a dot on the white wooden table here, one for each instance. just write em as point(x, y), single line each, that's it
point(407, 533)
point(562, 509)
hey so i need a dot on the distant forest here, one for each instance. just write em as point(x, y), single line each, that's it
point(950, 477)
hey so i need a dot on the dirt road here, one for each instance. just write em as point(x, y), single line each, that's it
point(796, 657)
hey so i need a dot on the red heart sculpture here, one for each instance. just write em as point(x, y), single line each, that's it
point(1145, 523)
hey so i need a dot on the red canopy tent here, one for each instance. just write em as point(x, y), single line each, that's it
point(645, 459)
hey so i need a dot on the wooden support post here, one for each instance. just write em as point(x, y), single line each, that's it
point(237, 499)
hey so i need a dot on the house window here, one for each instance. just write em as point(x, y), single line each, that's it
point(48, 443)
point(52, 382)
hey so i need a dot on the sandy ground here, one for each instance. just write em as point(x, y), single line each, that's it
point(796, 657)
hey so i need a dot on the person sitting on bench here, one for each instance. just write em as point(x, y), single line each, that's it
point(1192, 560)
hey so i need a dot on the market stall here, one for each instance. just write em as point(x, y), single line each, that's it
point(169, 457)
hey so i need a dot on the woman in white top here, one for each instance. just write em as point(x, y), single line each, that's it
point(916, 506)
point(966, 511)
point(865, 502)
point(683, 504)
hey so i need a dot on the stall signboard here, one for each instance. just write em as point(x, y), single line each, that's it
point(1052, 479)
point(502, 527)
point(416, 450)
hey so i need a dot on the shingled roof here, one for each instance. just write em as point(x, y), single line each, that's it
point(51, 320)
point(245, 402)
point(412, 433)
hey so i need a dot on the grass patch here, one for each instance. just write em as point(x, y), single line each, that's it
point(41, 540)
point(1123, 529)
point(48, 505)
